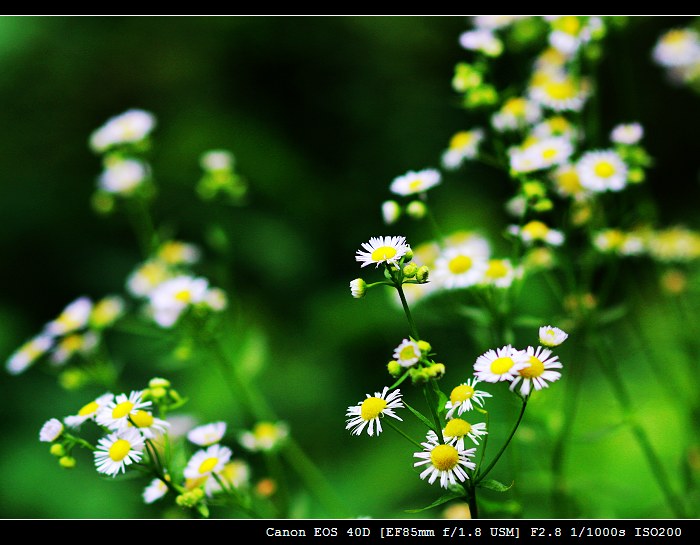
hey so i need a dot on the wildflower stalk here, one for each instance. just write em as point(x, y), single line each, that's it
point(143, 227)
point(614, 377)
point(411, 324)
point(403, 434)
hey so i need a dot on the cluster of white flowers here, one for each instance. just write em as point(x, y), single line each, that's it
point(678, 50)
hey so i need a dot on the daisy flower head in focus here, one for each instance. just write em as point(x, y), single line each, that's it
point(500, 364)
point(602, 170)
point(118, 450)
point(539, 372)
point(368, 413)
point(463, 396)
point(382, 250)
point(444, 462)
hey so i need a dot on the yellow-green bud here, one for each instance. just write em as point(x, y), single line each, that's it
point(534, 189)
point(158, 393)
point(419, 375)
point(191, 498)
point(394, 368)
point(422, 274)
point(410, 270)
point(57, 450)
point(67, 461)
point(424, 346)
point(635, 175)
point(408, 255)
point(543, 205)
point(465, 77)
point(358, 288)
point(436, 370)
point(159, 383)
point(72, 379)
point(174, 395)
point(416, 209)
point(485, 95)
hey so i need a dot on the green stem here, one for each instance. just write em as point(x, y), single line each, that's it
point(78, 441)
point(275, 469)
point(473, 506)
point(142, 225)
point(411, 324)
point(482, 475)
point(613, 375)
point(240, 503)
point(404, 435)
point(429, 392)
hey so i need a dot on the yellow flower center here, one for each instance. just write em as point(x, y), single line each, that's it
point(569, 24)
point(383, 253)
point(191, 484)
point(72, 343)
point(459, 264)
point(142, 419)
point(604, 169)
point(535, 370)
point(444, 457)
point(416, 184)
point(614, 238)
point(560, 90)
point(675, 37)
point(461, 393)
point(501, 365)
point(536, 230)
point(68, 321)
point(461, 140)
point(153, 273)
point(457, 428)
point(515, 107)
point(104, 312)
point(569, 182)
point(265, 430)
point(119, 450)
point(497, 269)
point(90, 408)
point(558, 125)
point(122, 409)
point(372, 407)
point(207, 465)
point(171, 252)
point(408, 352)
point(549, 153)
point(184, 296)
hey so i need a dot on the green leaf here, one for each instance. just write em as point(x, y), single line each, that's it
point(612, 314)
point(492, 484)
point(420, 417)
point(529, 321)
point(442, 499)
point(203, 510)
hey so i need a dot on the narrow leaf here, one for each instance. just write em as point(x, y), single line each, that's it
point(442, 499)
point(492, 484)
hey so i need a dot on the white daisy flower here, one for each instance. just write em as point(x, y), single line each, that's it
point(539, 372)
point(555, 126)
point(51, 430)
point(415, 182)
point(217, 160)
point(494, 22)
point(457, 429)
point(516, 113)
point(264, 436)
point(149, 426)
point(567, 183)
point(382, 250)
point(570, 32)
point(73, 317)
point(463, 145)
point(462, 396)
point(537, 231)
point(371, 410)
point(174, 252)
point(500, 364)
point(28, 353)
point(131, 126)
point(445, 462)
point(147, 277)
point(628, 134)
point(602, 170)
point(115, 414)
point(154, 491)
point(462, 265)
point(559, 92)
point(391, 211)
point(122, 176)
point(677, 48)
point(88, 411)
point(552, 336)
point(482, 40)
point(358, 288)
point(205, 462)
point(235, 474)
point(118, 450)
point(407, 353)
point(73, 344)
point(172, 297)
point(541, 154)
point(208, 434)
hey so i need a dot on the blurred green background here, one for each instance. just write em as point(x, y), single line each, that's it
point(321, 114)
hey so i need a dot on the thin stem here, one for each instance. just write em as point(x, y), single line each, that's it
point(411, 324)
point(231, 491)
point(78, 441)
point(613, 375)
point(473, 506)
point(404, 435)
point(484, 473)
point(430, 398)
point(142, 225)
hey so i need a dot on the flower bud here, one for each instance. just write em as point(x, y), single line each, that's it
point(419, 375)
point(57, 450)
point(391, 212)
point(436, 370)
point(394, 368)
point(410, 270)
point(159, 383)
point(67, 461)
point(416, 209)
point(422, 274)
point(424, 346)
point(358, 288)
